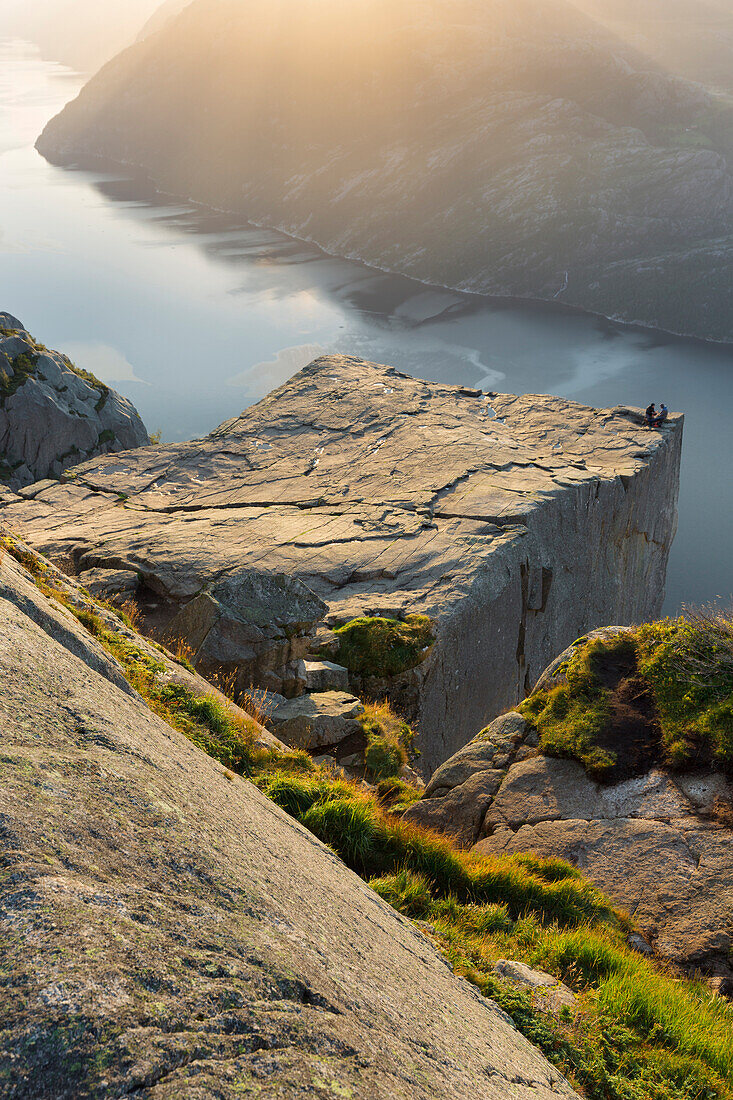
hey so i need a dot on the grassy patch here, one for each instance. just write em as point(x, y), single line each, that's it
point(686, 664)
point(389, 741)
point(635, 1034)
point(689, 664)
point(24, 367)
point(571, 718)
point(383, 647)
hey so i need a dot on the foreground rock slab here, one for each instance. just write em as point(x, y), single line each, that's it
point(514, 523)
point(170, 933)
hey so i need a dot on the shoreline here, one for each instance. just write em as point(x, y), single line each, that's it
point(551, 305)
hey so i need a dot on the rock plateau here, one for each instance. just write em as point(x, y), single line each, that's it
point(513, 523)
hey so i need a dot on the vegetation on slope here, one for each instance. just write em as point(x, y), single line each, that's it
point(389, 741)
point(374, 646)
point(662, 693)
point(636, 1032)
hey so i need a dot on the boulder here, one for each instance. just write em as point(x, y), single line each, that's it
point(318, 721)
point(514, 524)
point(326, 676)
point(674, 877)
point(659, 843)
point(253, 625)
point(52, 417)
point(459, 813)
point(491, 749)
point(548, 994)
point(168, 932)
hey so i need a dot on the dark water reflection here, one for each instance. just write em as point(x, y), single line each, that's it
point(194, 315)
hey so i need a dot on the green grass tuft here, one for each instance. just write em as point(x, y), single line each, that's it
point(383, 647)
point(689, 665)
point(389, 741)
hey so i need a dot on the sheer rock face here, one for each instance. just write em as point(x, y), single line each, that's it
point(515, 523)
point(171, 933)
point(51, 417)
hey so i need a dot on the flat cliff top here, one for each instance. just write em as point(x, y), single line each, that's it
point(383, 492)
point(171, 933)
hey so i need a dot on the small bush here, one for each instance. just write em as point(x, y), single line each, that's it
point(383, 647)
point(689, 664)
point(389, 741)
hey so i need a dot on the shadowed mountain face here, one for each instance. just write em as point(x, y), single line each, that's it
point(507, 148)
point(692, 37)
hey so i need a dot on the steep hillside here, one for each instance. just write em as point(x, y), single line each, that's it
point(169, 932)
point(508, 148)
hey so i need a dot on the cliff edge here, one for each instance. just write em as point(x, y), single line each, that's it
point(514, 524)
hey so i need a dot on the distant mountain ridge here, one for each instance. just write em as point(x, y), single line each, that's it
point(514, 149)
point(81, 33)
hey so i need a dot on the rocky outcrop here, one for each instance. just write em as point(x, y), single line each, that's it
point(532, 153)
point(53, 416)
point(513, 523)
point(654, 844)
point(171, 933)
point(659, 843)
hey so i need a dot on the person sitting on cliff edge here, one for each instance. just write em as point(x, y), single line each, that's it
point(661, 415)
point(651, 416)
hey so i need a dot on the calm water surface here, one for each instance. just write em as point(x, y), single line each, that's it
point(194, 316)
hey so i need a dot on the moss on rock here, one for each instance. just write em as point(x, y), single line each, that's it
point(661, 693)
point(375, 646)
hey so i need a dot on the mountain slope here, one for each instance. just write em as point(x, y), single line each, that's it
point(516, 149)
point(172, 933)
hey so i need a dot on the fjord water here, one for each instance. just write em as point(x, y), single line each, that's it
point(195, 315)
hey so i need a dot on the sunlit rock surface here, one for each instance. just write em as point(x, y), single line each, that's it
point(170, 933)
point(514, 523)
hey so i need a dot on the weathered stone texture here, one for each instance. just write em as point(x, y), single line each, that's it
point(659, 844)
point(51, 418)
point(515, 523)
point(171, 933)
